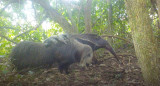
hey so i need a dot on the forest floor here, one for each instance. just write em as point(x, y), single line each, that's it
point(107, 72)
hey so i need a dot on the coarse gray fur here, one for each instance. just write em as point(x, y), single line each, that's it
point(84, 52)
point(30, 54)
point(57, 38)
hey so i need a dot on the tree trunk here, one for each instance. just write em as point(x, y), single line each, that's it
point(55, 16)
point(144, 41)
point(110, 21)
point(158, 5)
point(87, 16)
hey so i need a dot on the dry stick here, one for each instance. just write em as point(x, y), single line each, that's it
point(116, 37)
point(132, 82)
point(30, 29)
point(7, 39)
point(126, 55)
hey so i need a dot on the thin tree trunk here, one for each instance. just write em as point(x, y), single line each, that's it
point(110, 21)
point(73, 22)
point(87, 16)
point(144, 40)
point(158, 5)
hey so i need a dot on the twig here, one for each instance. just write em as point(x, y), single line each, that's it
point(126, 55)
point(7, 39)
point(115, 72)
point(131, 82)
point(30, 29)
point(117, 37)
point(7, 27)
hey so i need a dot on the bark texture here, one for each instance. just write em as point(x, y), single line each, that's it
point(110, 21)
point(87, 16)
point(144, 41)
point(158, 5)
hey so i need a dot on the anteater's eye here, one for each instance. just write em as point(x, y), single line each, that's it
point(88, 55)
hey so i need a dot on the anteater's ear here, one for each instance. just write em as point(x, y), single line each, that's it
point(46, 45)
point(50, 42)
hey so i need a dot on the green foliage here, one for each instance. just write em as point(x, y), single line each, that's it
point(17, 16)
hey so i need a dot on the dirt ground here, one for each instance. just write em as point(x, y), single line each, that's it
point(107, 72)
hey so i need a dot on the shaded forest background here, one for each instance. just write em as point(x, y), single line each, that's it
point(26, 20)
point(36, 20)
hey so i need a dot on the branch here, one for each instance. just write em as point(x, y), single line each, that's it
point(116, 37)
point(35, 13)
point(54, 15)
point(30, 29)
point(7, 27)
point(7, 39)
point(5, 7)
point(74, 26)
point(124, 55)
point(10, 2)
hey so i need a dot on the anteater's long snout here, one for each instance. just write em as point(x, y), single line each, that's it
point(113, 52)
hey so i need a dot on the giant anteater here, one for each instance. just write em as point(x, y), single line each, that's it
point(64, 52)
